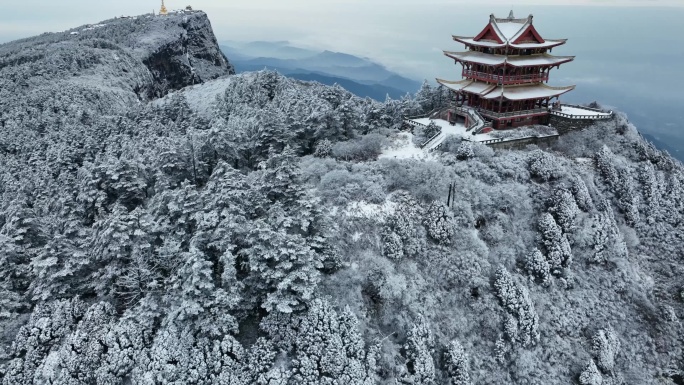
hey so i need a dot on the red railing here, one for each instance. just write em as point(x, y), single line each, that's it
point(506, 79)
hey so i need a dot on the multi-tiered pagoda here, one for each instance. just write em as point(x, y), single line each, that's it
point(505, 69)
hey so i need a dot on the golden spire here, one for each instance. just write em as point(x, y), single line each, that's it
point(163, 11)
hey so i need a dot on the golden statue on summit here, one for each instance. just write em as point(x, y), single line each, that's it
point(163, 10)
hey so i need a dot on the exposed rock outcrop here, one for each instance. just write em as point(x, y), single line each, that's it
point(108, 67)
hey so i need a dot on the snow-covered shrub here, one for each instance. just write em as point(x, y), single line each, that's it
point(340, 186)
point(408, 204)
point(366, 147)
point(392, 246)
point(465, 150)
point(543, 165)
point(439, 223)
point(462, 214)
point(323, 148)
point(420, 179)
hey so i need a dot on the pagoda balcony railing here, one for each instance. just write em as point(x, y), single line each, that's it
point(499, 115)
point(506, 79)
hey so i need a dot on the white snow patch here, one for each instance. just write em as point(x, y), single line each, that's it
point(403, 148)
point(457, 129)
point(201, 97)
point(576, 111)
point(363, 209)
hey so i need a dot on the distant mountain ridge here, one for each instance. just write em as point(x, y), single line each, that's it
point(361, 76)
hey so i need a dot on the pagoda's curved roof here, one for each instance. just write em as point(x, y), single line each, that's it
point(548, 43)
point(542, 59)
point(509, 32)
point(516, 92)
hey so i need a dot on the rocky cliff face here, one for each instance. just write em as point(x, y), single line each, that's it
point(187, 52)
point(107, 67)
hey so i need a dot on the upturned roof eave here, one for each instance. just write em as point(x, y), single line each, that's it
point(506, 59)
point(491, 44)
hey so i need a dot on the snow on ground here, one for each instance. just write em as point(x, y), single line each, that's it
point(576, 111)
point(374, 211)
point(201, 97)
point(403, 148)
point(457, 129)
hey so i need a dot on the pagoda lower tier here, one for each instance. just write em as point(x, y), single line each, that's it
point(506, 106)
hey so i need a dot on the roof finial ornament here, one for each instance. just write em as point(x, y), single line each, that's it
point(510, 15)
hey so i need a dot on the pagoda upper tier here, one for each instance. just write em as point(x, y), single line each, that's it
point(508, 35)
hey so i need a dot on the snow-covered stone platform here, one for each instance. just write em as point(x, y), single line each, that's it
point(580, 112)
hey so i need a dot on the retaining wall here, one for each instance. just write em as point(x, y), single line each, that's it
point(565, 125)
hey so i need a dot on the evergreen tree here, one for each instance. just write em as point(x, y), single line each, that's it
point(606, 346)
point(418, 352)
point(456, 362)
point(558, 251)
point(516, 301)
point(581, 193)
point(48, 324)
point(439, 223)
point(81, 353)
point(537, 265)
point(564, 208)
point(194, 298)
point(425, 97)
point(591, 375)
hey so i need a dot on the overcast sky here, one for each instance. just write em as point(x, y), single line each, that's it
point(380, 29)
